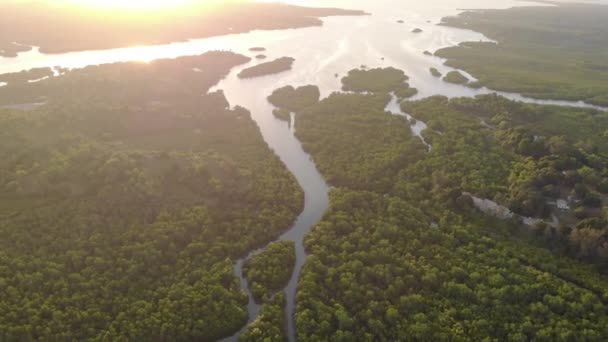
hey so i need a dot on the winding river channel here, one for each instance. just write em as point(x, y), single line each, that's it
point(321, 53)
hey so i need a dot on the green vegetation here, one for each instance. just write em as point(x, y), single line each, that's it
point(341, 133)
point(530, 157)
point(125, 199)
point(26, 75)
point(282, 114)
point(374, 80)
point(295, 99)
point(435, 72)
point(553, 52)
point(269, 326)
point(455, 77)
point(379, 271)
point(274, 67)
point(405, 91)
point(402, 254)
point(270, 271)
point(107, 29)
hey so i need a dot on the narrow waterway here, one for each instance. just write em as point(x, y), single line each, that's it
point(280, 136)
point(416, 126)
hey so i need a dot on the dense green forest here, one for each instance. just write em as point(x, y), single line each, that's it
point(273, 67)
point(269, 326)
point(403, 254)
point(378, 80)
point(295, 99)
point(125, 199)
point(270, 271)
point(555, 52)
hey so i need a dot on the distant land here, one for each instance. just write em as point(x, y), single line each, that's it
point(96, 31)
point(556, 52)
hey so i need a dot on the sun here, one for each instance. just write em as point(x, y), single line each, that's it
point(139, 5)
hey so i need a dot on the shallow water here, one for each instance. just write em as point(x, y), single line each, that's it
point(343, 43)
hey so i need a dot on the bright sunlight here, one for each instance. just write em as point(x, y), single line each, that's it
point(140, 5)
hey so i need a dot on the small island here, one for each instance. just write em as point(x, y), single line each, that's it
point(374, 80)
point(455, 77)
point(404, 91)
point(257, 49)
point(428, 53)
point(292, 99)
point(13, 49)
point(282, 114)
point(435, 72)
point(261, 56)
point(274, 67)
point(269, 271)
point(417, 30)
point(400, 21)
point(26, 76)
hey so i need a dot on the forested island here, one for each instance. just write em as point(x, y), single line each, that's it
point(435, 72)
point(404, 254)
point(125, 199)
point(378, 80)
point(98, 29)
point(269, 271)
point(454, 77)
point(273, 67)
point(550, 52)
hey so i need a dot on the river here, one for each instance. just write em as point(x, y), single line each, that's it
point(321, 53)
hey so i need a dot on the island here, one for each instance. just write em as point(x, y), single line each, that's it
point(417, 30)
point(427, 53)
point(257, 49)
point(295, 99)
point(269, 68)
point(96, 30)
point(435, 72)
point(13, 49)
point(282, 114)
point(455, 77)
point(270, 271)
point(260, 56)
point(373, 80)
point(26, 76)
point(536, 49)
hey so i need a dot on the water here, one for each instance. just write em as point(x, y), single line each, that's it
point(417, 127)
point(342, 44)
point(280, 136)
